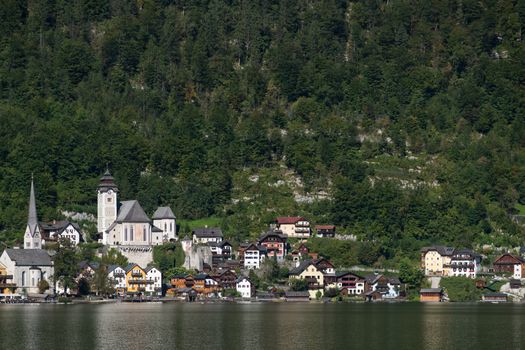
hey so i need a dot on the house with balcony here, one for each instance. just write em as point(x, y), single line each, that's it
point(117, 275)
point(325, 231)
point(136, 280)
point(54, 230)
point(226, 279)
point(350, 283)
point(511, 265)
point(387, 287)
point(292, 226)
point(206, 285)
point(464, 263)
point(253, 256)
point(153, 281)
point(275, 243)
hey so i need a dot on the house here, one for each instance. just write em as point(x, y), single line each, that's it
point(254, 255)
point(245, 287)
point(296, 226)
point(54, 230)
point(118, 275)
point(7, 286)
point(510, 264)
point(431, 294)
point(350, 283)
point(297, 296)
point(325, 231)
point(226, 279)
point(388, 287)
point(494, 297)
point(87, 270)
point(181, 281)
point(464, 263)
point(205, 235)
point(135, 280)
point(206, 285)
point(153, 281)
point(165, 220)
point(27, 268)
point(308, 271)
point(434, 259)
point(275, 243)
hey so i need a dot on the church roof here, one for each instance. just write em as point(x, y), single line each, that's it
point(32, 220)
point(131, 211)
point(29, 257)
point(163, 213)
point(107, 182)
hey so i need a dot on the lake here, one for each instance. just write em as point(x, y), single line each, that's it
point(263, 326)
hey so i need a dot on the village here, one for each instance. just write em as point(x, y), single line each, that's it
point(216, 270)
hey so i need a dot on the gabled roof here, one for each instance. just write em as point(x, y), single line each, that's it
point(273, 233)
point(29, 257)
point(287, 220)
point(344, 273)
point(431, 290)
point(207, 232)
point(155, 229)
point(112, 268)
point(442, 250)
point(149, 268)
point(131, 266)
point(302, 266)
point(163, 213)
point(131, 211)
point(325, 227)
point(514, 259)
point(241, 278)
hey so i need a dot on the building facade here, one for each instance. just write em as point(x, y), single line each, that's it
point(296, 226)
point(27, 268)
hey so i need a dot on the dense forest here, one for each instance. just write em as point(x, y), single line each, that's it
point(400, 121)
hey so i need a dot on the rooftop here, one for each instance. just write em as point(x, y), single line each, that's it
point(29, 257)
point(163, 213)
point(207, 232)
point(131, 211)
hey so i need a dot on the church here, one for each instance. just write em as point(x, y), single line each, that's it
point(127, 227)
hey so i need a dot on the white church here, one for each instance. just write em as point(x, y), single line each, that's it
point(128, 228)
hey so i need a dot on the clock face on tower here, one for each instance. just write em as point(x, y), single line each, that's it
point(110, 192)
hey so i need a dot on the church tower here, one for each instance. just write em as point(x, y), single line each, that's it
point(32, 237)
point(107, 204)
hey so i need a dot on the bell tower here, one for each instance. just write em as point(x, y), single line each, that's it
point(32, 237)
point(107, 204)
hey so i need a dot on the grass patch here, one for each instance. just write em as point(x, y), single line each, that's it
point(212, 221)
point(520, 208)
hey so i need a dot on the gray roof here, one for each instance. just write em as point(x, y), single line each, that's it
point(431, 290)
point(155, 229)
point(442, 250)
point(29, 257)
point(131, 211)
point(163, 213)
point(112, 268)
point(304, 294)
point(302, 266)
point(207, 232)
point(32, 220)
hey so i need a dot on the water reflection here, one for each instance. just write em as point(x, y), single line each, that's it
point(262, 326)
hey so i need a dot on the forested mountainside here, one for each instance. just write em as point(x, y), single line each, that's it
point(400, 121)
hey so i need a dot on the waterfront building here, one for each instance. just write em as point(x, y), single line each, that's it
point(464, 263)
point(307, 270)
point(295, 227)
point(349, 283)
point(388, 287)
point(153, 281)
point(136, 280)
point(32, 235)
point(511, 265)
point(245, 287)
point(117, 275)
point(431, 294)
point(27, 268)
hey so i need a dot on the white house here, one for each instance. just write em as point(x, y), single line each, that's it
point(164, 219)
point(295, 226)
point(54, 230)
point(244, 287)
point(205, 235)
point(388, 287)
point(153, 281)
point(118, 275)
point(463, 263)
point(28, 267)
point(254, 256)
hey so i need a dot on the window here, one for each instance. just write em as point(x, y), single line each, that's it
point(23, 278)
point(131, 233)
point(109, 199)
point(171, 226)
point(33, 281)
point(125, 234)
point(144, 232)
point(28, 245)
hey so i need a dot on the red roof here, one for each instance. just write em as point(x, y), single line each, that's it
point(325, 227)
point(289, 220)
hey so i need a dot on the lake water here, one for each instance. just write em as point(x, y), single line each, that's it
point(263, 326)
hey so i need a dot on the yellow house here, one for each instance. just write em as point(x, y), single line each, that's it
point(6, 288)
point(135, 279)
point(307, 270)
point(435, 260)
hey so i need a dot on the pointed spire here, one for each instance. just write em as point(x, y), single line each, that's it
point(32, 220)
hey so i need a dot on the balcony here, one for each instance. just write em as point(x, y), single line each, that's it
point(302, 230)
point(139, 281)
point(136, 274)
point(119, 275)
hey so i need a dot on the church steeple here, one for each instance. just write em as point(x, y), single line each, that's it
point(32, 234)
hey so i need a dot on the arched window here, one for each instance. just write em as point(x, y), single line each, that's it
point(125, 234)
point(171, 226)
point(23, 278)
point(144, 233)
point(131, 233)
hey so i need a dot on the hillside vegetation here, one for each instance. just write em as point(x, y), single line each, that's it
point(400, 121)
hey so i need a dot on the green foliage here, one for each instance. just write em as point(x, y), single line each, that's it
point(297, 284)
point(461, 289)
point(84, 287)
point(42, 285)
point(66, 264)
point(114, 257)
point(409, 116)
point(410, 273)
point(168, 256)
